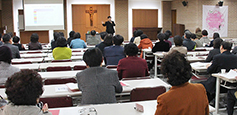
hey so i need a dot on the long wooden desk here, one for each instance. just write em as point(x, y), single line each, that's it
point(59, 74)
point(116, 108)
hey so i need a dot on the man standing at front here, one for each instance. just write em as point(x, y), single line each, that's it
point(109, 26)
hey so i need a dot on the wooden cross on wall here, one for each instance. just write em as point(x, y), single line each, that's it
point(91, 13)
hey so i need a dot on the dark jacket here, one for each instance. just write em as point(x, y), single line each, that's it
point(212, 53)
point(19, 46)
point(98, 85)
point(189, 44)
point(53, 44)
point(132, 66)
point(35, 46)
point(14, 50)
point(109, 27)
point(161, 46)
point(113, 54)
point(101, 46)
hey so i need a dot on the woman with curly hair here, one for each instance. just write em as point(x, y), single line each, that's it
point(183, 98)
point(23, 90)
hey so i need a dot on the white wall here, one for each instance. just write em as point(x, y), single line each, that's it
point(143, 4)
point(72, 2)
point(17, 4)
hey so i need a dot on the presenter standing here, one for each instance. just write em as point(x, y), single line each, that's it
point(109, 26)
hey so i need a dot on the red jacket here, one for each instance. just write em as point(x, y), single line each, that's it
point(145, 44)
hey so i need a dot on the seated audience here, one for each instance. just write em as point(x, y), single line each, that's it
point(137, 39)
point(116, 52)
point(23, 90)
point(132, 66)
point(161, 45)
point(102, 45)
point(196, 40)
point(178, 41)
point(205, 40)
point(34, 42)
point(225, 60)
point(56, 35)
point(61, 51)
point(93, 40)
point(167, 35)
point(215, 35)
point(217, 44)
point(107, 42)
point(71, 34)
point(98, 84)
point(145, 43)
point(16, 40)
point(198, 33)
point(77, 42)
point(183, 98)
point(6, 69)
point(61, 34)
point(171, 39)
point(134, 36)
point(14, 49)
point(188, 42)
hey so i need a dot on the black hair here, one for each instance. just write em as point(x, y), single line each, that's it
point(93, 32)
point(10, 34)
point(176, 68)
point(71, 34)
point(108, 17)
point(204, 32)
point(61, 34)
point(143, 36)
point(108, 39)
point(131, 49)
point(216, 35)
point(217, 43)
point(118, 39)
point(77, 35)
point(161, 36)
point(226, 45)
point(134, 33)
point(24, 87)
point(188, 34)
point(6, 38)
point(169, 32)
point(193, 36)
point(34, 38)
point(166, 36)
point(61, 42)
point(139, 32)
point(93, 57)
point(16, 39)
point(103, 34)
point(56, 35)
point(178, 41)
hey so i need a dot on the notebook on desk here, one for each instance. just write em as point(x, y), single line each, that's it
point(72, 86)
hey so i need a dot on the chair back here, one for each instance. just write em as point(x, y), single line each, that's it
point(79, 67)
point(56, 102)
point(59, 81)
point(26, 62)
point(150, 93)
point(62, 68)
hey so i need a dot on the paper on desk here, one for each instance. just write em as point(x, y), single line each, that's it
point(198, 64)
point(72, 86)
point(231, 74)
point(54, 112)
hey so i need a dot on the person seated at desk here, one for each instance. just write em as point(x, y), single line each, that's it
point(71, 34)
point(137, 39)
point(62, 51)
point(171, 39)
point(205, 40)
point(196, 40)
point(23, 90)
point(34, 42)
point(107, 42)
point(16, 40)
point(93, 39)
point(178, 41)
point(116, 52)
point(183, 98)
point(161, 45)
point(188, 42)
point(167, 35)
point(56, 35)
point(132, 66)
point(215, 35)
point(217, 44)
point(77, 42)
point(6, 69)
point(145, 43)
point(102, 44)
point(225, 60)
point(14, 49)
point(98, 84)
point(133, 37)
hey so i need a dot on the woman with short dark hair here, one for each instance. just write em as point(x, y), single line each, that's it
point(178, 41)
point(132, 66)
point(23, 90)
point(77, 42)
point(34, 42)
point(16, 40)
point(61, 51)
point(183, 98)
point(216, 45)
